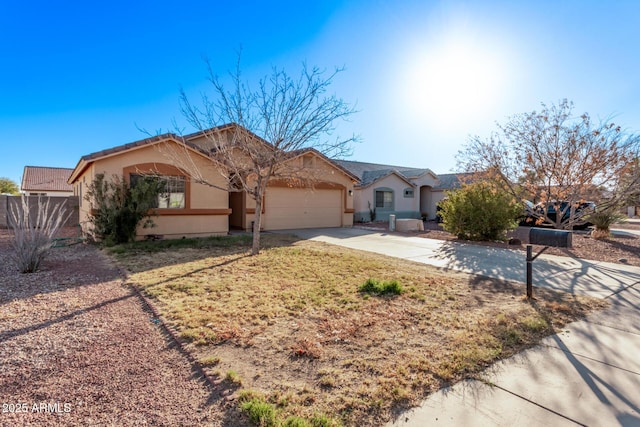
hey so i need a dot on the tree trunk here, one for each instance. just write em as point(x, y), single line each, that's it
point(261, 188)
point(257, 223)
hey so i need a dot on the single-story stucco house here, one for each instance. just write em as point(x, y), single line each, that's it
point(194, 209)
point(402, 191)
point(46, 181)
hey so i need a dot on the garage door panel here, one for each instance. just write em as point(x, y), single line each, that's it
point(288, 208)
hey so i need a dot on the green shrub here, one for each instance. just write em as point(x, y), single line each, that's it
point(323, 421)
point(233, 377)
point(118, 209)
point(479, 211)
point(294, 421)
point(373, 286)
point(260, 413)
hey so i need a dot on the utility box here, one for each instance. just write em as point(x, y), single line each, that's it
point(392, 222)
point(549, 237)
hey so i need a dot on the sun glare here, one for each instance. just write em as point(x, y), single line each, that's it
point(456, 81)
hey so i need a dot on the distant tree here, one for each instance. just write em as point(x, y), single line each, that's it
point(275, 120)
point(479, 211)
point(8, 186)
point(552, 157)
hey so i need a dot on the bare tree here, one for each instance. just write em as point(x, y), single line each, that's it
point(557, 160)
point(629, 182)
point(250, 134)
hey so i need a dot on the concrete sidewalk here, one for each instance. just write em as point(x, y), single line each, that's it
point(589, 374)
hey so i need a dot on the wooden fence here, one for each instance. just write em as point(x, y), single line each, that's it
point(7, 201)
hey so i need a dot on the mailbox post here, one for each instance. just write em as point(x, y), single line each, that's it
point(547, 238)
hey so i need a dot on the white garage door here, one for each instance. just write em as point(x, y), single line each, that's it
point(287, 208)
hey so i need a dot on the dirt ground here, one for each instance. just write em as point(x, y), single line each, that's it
point(78, 348)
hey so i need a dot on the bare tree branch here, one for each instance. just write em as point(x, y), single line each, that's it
point(552, 157)
point(251, 135)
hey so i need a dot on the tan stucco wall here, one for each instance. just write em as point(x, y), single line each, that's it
point(436, 197)
point(175, 227)
point(366, 195)
point(200, 197)
point(49, 193)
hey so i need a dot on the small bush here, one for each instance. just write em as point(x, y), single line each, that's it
point(479, 211)
point(209, 361)
point(294, 421)
point(233, 377)
point(373, 286)
point(323, 421)
point(260, 413)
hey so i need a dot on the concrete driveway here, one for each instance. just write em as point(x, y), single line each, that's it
point(588, 374)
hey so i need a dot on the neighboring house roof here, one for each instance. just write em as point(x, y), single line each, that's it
point(369, 177)
point(451, 181)
point(448, 181)
point(371, 172)
point(42, 179)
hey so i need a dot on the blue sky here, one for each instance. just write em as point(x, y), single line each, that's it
point(78, 77)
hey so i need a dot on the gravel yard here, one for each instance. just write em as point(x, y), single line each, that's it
point(78, 348)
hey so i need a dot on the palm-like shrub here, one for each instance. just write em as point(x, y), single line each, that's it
point(603, 220)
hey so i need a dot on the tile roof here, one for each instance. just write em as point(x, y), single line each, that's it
point(186, 139)
point(450, 181)
point(190, 141)
point(370, 172)
point(42, 178)
point(125, 147)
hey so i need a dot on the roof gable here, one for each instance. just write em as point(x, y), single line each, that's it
point(371, 172)
point(333, 163)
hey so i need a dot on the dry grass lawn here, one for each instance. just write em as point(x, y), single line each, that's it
point(297, 343)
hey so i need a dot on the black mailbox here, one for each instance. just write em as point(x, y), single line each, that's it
point(548, 237)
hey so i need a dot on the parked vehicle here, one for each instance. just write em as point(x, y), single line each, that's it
point(528, 218)
point(581, 210)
